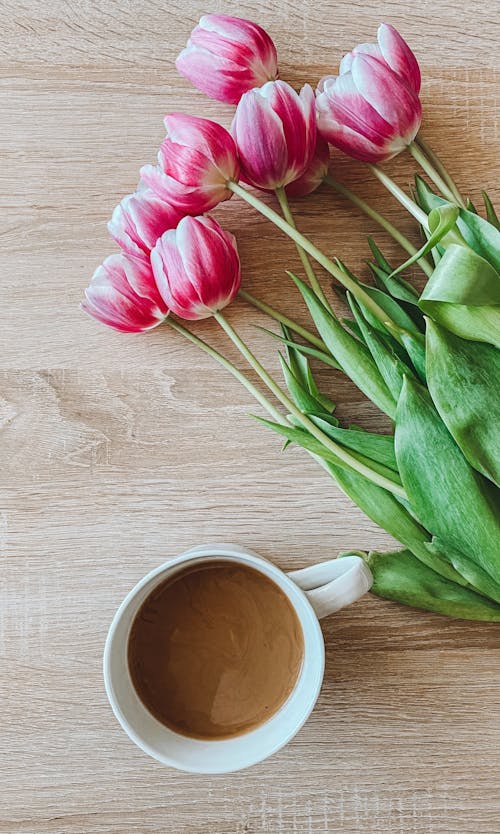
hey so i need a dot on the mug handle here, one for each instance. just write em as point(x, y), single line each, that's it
point(330, 586)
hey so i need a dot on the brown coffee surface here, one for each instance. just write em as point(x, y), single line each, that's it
point(215, 651)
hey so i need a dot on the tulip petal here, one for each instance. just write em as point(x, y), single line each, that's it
point(387, 94)
point(187, 166)
point(123, 311)
point(315, 172)
point(352, 143)
point(362, 48)
point(347, 106)
point(188, 199)
point(196, 267)
point(117, 310)
point(96, 313)
point(228, 51)
point(275, 131)
point(123, 294)
point(217, 77)
point(173, 283)
point(237, 29)
point(252, 40)
point(206, 257)
point(227, 56)
point(138, 274)
point(399, 56)
point(140, 219)
point(123, 230)
point(260, 138)
point(205, 137)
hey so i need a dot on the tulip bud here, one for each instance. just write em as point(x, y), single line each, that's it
point(196, 161)
point(140, 219)
point(315, 172)
point(123, 295)
point(275, 132)
point(372, 111)
point(196, 267)
point(226, 56)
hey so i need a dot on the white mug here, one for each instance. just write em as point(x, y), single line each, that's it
point(314, 592)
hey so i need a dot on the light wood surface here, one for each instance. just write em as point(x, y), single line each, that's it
point(118, 452)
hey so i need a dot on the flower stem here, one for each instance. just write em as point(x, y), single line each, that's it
point(400, 195)
point(340, 452)
point(435, 170)
point(441, 169)
point(381, 220)
point(342, 277)
point(259, 396)
point(279, 317)
point(306, 263)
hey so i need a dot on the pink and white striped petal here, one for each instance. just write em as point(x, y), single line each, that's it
point(399, 56)
point(123, 294)
point(227, 56)
point(140, 219)
point(196, 268)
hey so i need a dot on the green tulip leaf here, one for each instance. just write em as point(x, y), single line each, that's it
point(491, 214)
point(463, 378)
point(483, 236)
point(398, 288)
point(301, 370)
point(300, 436)
point(475, 575)
point(391, 367)
point(301, 395)
point(353, 356)
point(388, 512)
point(401, 577)
point(377, 447)
point(441, 221)
point(463, 295)
point(392, 307)
point(306, 350)
point(353, 327)
point(379, 257)
point(450, 498)
point(415, 347)
point(388, 304)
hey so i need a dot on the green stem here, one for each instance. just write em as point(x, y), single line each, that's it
point(400, 195)
point(306, 263)
point(417, 152)
point(265, 403)
point(279, 317)
point(381, 220)
point(341, 453)
point(441, 169)
point(344, 279)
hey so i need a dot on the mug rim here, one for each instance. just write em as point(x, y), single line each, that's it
point(239, 554)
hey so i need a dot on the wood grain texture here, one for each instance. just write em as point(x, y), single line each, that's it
point(120, 451)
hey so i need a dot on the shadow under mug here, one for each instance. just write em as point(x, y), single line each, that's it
point(314, 592)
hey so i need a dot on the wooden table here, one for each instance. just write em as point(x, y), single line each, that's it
point(118, 452)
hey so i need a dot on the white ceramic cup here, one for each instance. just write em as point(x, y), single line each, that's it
point(314, 592)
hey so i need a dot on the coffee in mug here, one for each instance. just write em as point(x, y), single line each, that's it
point(215, 650)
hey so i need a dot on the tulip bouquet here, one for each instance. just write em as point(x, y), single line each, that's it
point(428, 360)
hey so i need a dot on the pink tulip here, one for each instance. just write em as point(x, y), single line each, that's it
point(196, 160)
point(315, 172)
point(226, 56)
point(372, 110)
point(275, 132)
point(123, 295)
point(196, 267)
point(140, 219)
